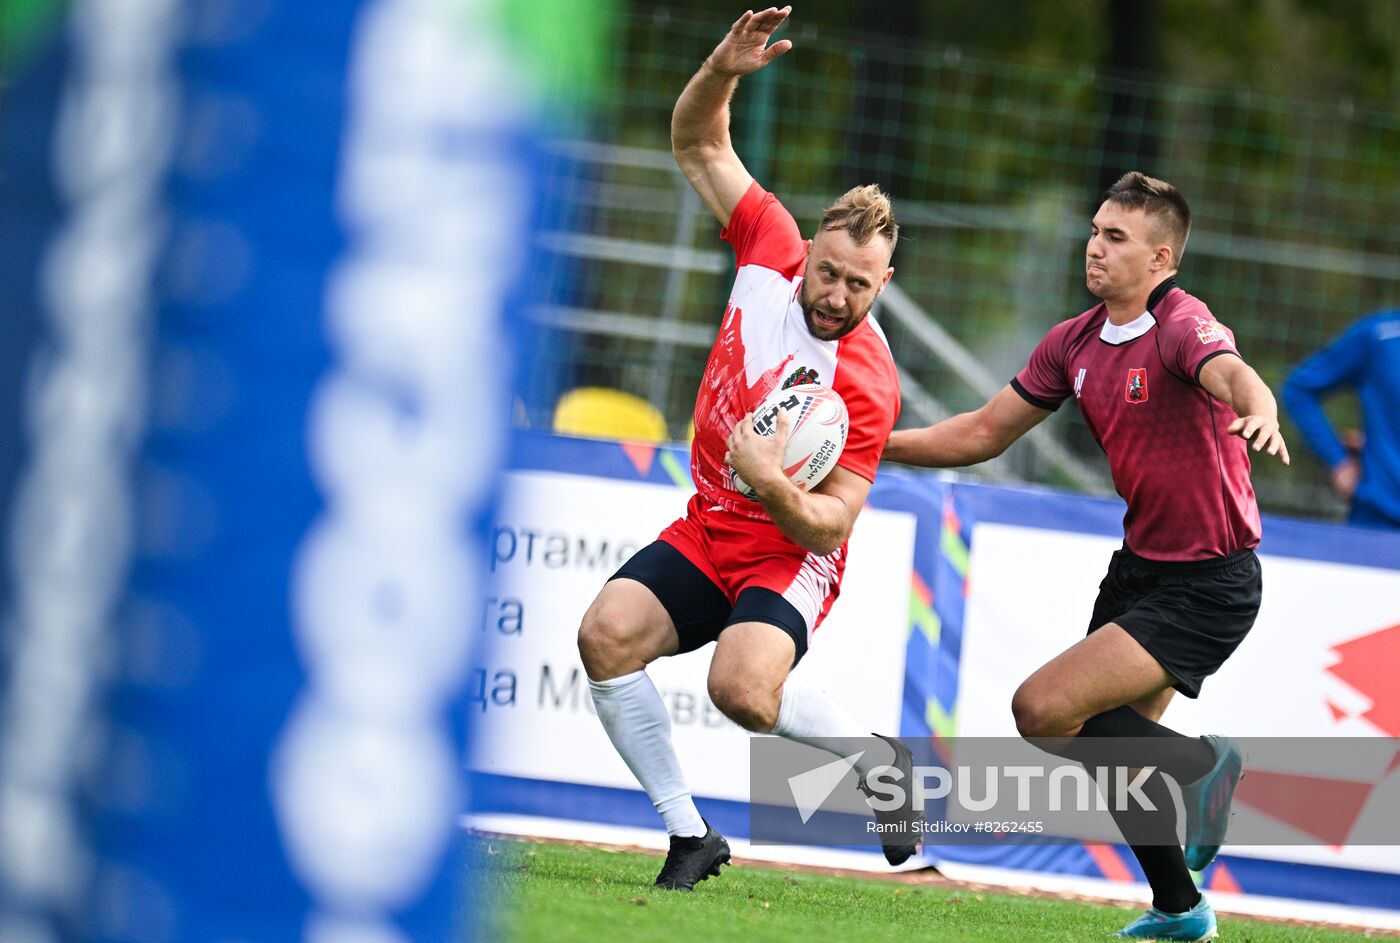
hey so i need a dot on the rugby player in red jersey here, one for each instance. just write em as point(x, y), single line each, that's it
point(758, 577)
point(1170, 400)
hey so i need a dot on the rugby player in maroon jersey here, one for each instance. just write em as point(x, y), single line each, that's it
point(1177, 410)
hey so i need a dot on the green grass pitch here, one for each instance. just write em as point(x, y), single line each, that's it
point(550, 892)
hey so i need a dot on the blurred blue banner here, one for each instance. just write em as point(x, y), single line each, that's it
point(266, 249)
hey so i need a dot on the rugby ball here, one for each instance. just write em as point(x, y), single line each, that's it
point(815, 440)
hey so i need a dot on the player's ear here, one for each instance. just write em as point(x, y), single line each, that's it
point(880, 289)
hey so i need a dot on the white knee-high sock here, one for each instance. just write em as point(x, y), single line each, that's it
point(635, 718)
point(809, 715)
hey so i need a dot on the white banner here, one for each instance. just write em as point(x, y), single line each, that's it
point(1321, 661)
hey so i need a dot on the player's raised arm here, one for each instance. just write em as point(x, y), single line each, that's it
point(1234, 383)
point(969, 438)
point(700, 121)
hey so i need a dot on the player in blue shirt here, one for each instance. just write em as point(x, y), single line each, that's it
point(1366, 358)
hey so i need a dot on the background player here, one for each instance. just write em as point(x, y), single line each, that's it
point(1163, 390)
point(756, 577)
point(1367, 359)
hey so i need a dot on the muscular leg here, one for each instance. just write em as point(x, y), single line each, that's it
point(750, 682)
point(1088, 692)
point(747, 673)
point(1108, 685)
point(1153, 706)
point(1104, 670)
point(624, 630)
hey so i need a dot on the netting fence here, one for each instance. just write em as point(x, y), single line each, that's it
point(995, 168)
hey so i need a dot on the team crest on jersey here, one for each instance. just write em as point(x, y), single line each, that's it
point(1210, 330)
point(800, 376)
point(1136, 390)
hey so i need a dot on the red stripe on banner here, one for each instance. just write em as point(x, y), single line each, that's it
point(1222, 880)
point(640, 454)
point(1108, 862)
point(1323, 808)
point(941, 749)
point(921, 590)
point(1367, 664)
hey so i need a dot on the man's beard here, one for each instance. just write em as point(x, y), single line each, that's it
point(827, 332)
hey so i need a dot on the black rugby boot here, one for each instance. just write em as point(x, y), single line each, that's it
point(899, 828)
point(692, 860)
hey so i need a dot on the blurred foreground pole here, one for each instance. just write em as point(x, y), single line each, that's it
point(326, 406)
point(265, 433)
point(90, 113)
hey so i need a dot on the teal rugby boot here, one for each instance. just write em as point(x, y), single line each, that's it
point(1207, 803)
point(1198, 923)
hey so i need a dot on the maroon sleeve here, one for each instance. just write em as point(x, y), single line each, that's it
point(1193, 336)
point(763, 232)
point(1042, 382)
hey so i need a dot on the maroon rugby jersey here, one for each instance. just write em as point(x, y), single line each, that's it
point(1186, 482)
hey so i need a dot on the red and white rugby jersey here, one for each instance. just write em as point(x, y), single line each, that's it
point(1138, 385)
point(764, 343)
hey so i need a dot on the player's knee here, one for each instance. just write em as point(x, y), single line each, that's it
point(604, 644)
point(1036, 715)
point(748, 705)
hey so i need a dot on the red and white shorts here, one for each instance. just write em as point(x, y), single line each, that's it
point(740, 570)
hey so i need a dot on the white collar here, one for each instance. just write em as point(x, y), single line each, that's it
point(1116, 334)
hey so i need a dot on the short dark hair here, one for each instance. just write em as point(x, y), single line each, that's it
point(1161, 201)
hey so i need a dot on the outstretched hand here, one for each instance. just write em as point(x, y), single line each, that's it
point(745, 50)
point(1264, 432)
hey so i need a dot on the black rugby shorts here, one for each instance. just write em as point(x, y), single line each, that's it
point(1189, 616)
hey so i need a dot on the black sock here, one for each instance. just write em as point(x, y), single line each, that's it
point(1153, 840)
point(1123, 737)
point(1173, 891)
point(1138, 742)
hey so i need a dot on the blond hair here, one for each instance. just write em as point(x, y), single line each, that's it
point(864, 212)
